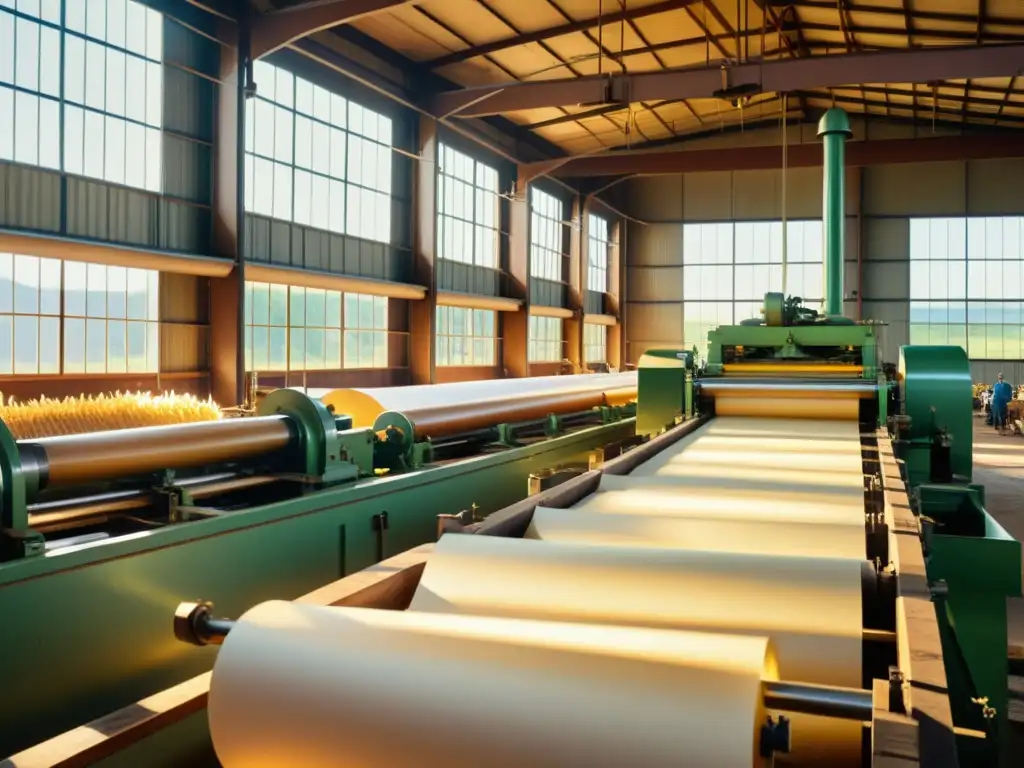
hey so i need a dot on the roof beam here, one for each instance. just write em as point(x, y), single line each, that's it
point(858, 153)
point(946, 34)
point(563, 29)
point(276, 29)
point(897, 66)
point(891, 10)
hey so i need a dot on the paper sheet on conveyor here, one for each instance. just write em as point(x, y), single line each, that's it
point(809, 607)
point(771, 456)
point(620, 519)
point(734, 485)
point(321, 687)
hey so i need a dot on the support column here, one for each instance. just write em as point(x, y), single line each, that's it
point(423, 314)
point(576, 284)
point(834, 128)
point(227, 295)
point(615, 303)
point(515, 325)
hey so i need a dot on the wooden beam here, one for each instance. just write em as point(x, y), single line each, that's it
point(858, 153)
point(515, 326)
point(924, 65)
point(227, 294)
point(276, 29)
point(423, 314)
point(568, 28)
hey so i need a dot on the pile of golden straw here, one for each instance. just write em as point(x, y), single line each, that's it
point(74, 415)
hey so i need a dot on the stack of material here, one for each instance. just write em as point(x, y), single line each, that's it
point(635, 629)
point(48, 417)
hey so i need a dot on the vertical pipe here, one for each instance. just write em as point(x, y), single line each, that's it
point(242, 79)
point(834, 128)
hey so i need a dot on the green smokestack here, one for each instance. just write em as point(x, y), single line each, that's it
point(834, 128)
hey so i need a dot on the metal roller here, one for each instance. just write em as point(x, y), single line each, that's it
point(790, 387)
point(449, 420)
point(102, 456)
point(790, 369)
point(825, 409)
point(365, 405)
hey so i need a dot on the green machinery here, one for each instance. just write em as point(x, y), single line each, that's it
point(796, 362)
point(102, 533)
point(943, 567)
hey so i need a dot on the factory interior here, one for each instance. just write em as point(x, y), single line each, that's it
point(607, 383)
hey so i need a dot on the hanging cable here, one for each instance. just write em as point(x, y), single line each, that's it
point(785, 163)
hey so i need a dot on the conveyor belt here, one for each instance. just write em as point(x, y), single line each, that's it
point(765, 496)
point(797, 483)
point(779, 489)
point(739, 481)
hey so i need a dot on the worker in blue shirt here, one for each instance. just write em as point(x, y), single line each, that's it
point(1002, 393)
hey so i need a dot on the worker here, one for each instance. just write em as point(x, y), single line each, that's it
point(1001, 396)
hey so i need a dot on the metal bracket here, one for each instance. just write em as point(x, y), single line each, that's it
point(380, 527)
point(896, 683)
point(775, 737)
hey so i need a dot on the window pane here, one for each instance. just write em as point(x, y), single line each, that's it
point(302, 125)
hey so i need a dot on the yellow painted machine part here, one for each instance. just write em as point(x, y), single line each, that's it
point(824, 408)
point(789, 369)
point(770, 393)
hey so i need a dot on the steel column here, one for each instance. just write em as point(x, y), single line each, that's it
point(834, 129)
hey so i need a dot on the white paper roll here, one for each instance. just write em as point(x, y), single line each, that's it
point(365, 405)
point(667, 530)
point(809, 607)
point(312, 686)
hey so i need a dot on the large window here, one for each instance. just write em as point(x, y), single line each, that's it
point(595, 342)
point(104, 64)
point(302, 329)
point(106, 319)
point(545, 340)
point(546, 235)
point(315, 158)
point(967, 284)
point(465, 336)
point(727, 269)
point(597, 254)
point(366, 331)
point(467, 210)
point(314, 329)
point(266, 327)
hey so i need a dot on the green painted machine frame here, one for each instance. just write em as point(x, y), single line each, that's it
point(86, 628)
point(973, 565)
point(664, 389)
point(399, 449)
point(794, 342)
point(799, 343)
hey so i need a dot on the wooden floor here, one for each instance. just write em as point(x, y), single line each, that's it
point(999, 466)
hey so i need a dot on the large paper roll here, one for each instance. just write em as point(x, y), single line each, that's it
point(365, 405)
point(664, 529)
point(809, 607)
point(312, 686)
